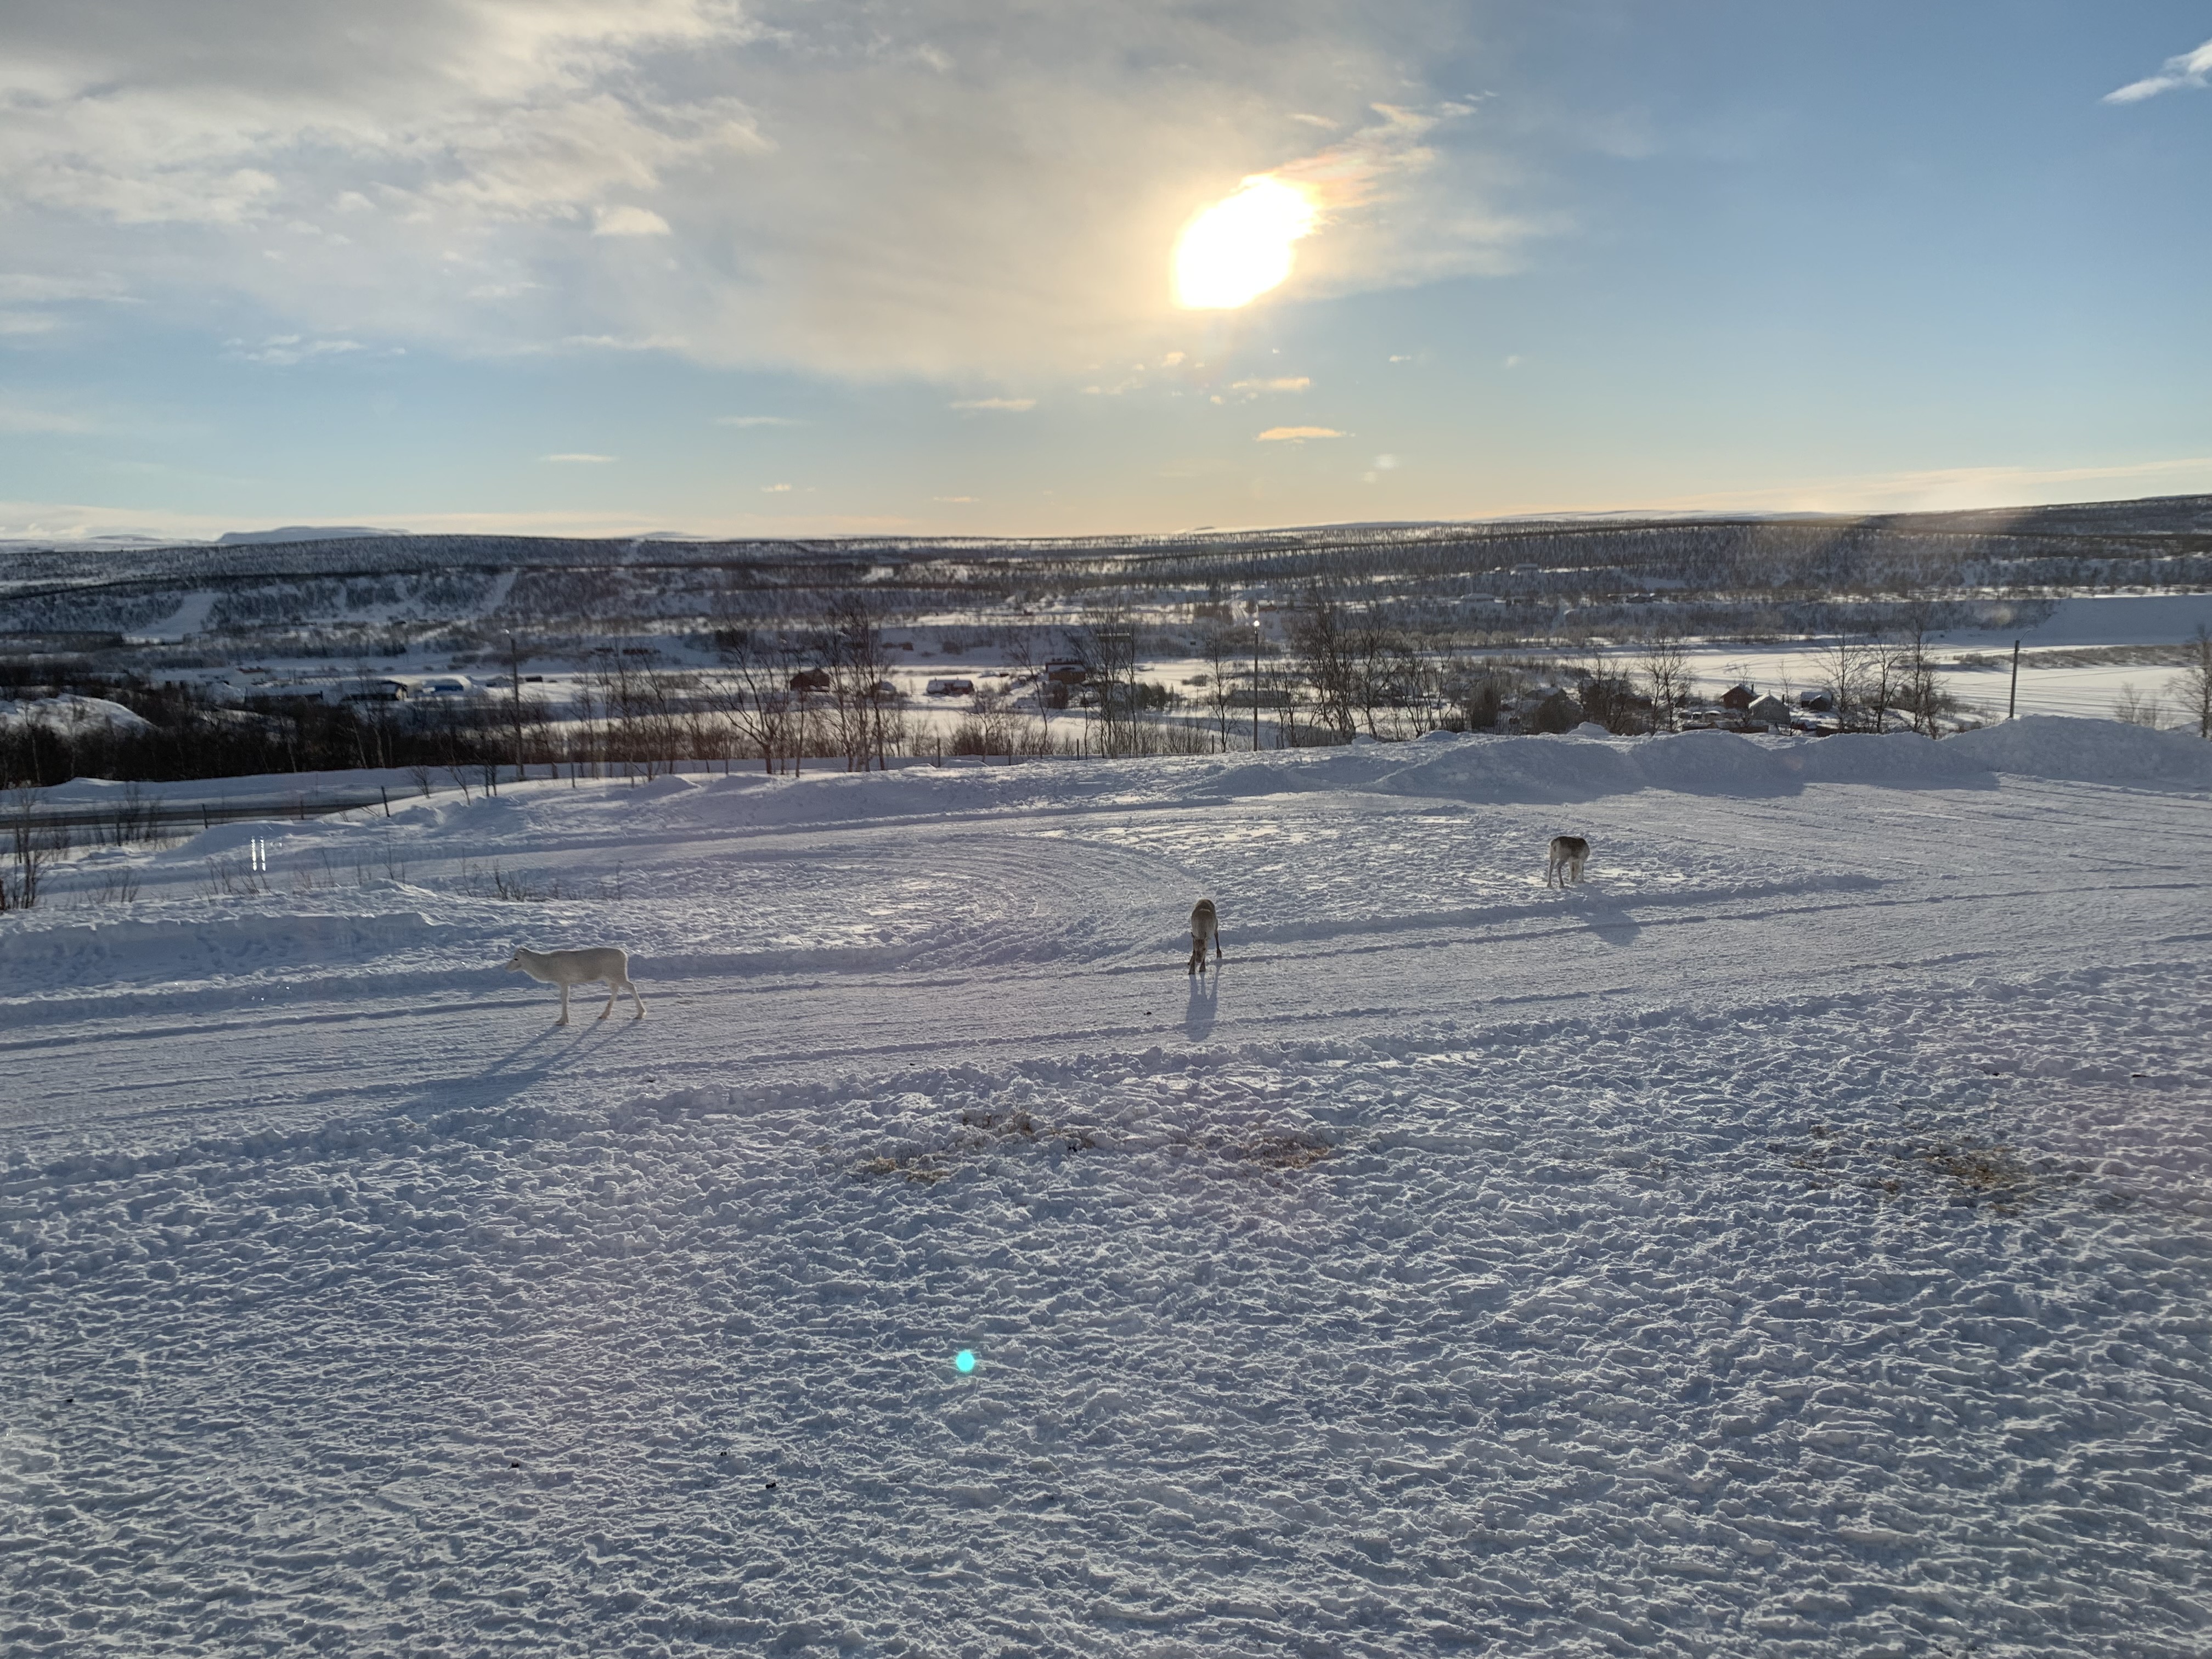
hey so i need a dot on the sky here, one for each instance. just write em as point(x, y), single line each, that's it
point(790, 268)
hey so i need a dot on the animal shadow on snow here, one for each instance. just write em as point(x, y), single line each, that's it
point(1605, 917)
point(1197, 1015)
point(532, 1060)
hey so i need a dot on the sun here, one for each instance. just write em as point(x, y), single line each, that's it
point(1232, 252)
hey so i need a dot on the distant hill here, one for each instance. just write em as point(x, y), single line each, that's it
point(357, 591)
point(301, 533)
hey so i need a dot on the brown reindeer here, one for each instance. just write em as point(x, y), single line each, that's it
point(1205, 929)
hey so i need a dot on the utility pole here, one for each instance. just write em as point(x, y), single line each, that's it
point(2012, 702)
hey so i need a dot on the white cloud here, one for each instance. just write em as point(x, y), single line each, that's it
point(952, 500)
point(23, 324)
point(2190, 69)
point(628, 220)
point(1281, 383)
point(756, 420)
point(282, 350)
point(24, 419)
point(775, 489)
point(1296, 435)
point(578, 459)
point(943, 189)
point(1012, 405)
point(29, 287)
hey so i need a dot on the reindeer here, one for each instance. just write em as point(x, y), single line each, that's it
point(566, 968)
point(1205, 928)
point(1568, 853)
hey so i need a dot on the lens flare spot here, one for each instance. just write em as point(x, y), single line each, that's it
point(1232, 252)
point(964, 1361)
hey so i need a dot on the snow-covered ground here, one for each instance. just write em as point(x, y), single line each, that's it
point(1796, 1240)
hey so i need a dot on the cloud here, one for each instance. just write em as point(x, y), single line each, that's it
point(27, 287)
point(20, 418)
point(283, 350)
point(2192, 69)
point(952, 500)
point(1942, 488)
point(578, 459)
point(1012, 405)
point(756, 420)
point(942, 189)
point(630, 221)
point(1296, 435)
point(775, 489)
point(1281, 383)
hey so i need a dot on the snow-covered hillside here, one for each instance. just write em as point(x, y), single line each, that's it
point(1796, 1239)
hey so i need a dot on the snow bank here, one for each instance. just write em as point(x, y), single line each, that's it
point(1895, 760)
point(2088, 752)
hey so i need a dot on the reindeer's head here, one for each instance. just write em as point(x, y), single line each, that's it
point(514, 962)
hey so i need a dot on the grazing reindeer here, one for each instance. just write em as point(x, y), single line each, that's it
point(1205, 929)
point(566, 968)
point(1568, 853)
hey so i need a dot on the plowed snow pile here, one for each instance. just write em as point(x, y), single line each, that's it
point(1798, 1239)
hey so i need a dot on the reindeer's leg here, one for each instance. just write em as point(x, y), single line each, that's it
point(630, 986)
point(563, 1020)
point(612, 993)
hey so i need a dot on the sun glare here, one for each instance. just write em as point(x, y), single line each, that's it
point(1232, 252)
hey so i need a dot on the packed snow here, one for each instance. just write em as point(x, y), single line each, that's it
point(1795, 1239)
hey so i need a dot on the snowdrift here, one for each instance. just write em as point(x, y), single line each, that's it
point(2089, 751)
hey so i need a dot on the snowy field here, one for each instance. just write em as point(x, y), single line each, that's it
point(1797, 1240)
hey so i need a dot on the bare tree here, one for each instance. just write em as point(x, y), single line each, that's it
point(30, 845)
point(1328, 660)
point(863, 715)
point(1918, 692)
point(1020, 648)
point(1664, 663)
point(1222, 646)
point(2133, 708)
point(1842, 668)
point(755, 695)
point(2192, 687)
point(1107, 647)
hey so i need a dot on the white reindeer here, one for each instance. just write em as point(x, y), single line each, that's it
point(566, 968)
point(1568, 855)
point(1205, 929)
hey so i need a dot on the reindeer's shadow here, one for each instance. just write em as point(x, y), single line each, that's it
point(496, 1085)
point(1197, 1015)
point(1606, 918)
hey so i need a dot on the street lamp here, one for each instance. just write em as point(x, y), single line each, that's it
point(1256, 679)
